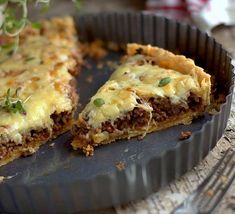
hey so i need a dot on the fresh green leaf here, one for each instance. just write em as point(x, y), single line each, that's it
point(3, 1)
point(77, 4)
point(98, 102)
point(11, 104)
point(36, 25)
point(164, 81)
point(44, 8)
point(18, 107)
point(13, 25)
point(7, 46)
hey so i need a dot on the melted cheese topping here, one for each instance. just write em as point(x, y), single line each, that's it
point(40, 69)
point(131, 82)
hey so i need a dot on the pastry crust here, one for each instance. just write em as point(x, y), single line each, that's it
point(152, 89)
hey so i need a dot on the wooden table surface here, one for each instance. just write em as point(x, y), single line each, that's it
point(165, 200)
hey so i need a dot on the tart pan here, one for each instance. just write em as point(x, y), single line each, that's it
point(59, 180)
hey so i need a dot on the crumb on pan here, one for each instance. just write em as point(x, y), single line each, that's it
point(98, 49)
point(29, 151)
point(185, 135)
point(94, 49)
point(52, 144)
point(112, 64)
point(87, 65)
point(88, 150)
point(113, 46)
point(89, 79)
point(120, 165)
point(100, 65)
point(2, 179)
point(140, 137)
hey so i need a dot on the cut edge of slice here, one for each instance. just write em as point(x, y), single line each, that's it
point(138, 122)
point(33, 137)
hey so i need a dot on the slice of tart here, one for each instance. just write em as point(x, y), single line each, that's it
point(37, 90)
point(152, 89)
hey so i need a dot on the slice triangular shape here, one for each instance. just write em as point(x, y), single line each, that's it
point(152, 89)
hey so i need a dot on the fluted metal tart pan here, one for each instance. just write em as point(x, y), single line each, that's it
point(59, 180)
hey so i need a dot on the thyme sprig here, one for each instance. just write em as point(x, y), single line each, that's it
point(12, 103)
point(12, 26)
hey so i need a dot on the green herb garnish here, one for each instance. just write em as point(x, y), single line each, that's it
point(77, 4)
point(98, 102)
point(3, 1)
point(12, 104)
point(18, 107)
point(36, 25)
point(164, 81)
point(13, 25)
point(7, 46)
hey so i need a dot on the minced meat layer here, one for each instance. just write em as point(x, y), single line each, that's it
point(60, 122)
point(163, 109)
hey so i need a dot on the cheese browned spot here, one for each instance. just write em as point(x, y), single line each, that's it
point(42, 71)
point(149, 91)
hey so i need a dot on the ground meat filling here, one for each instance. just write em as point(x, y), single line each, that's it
point(29, 138)
point(60, 121)
point(163, 109)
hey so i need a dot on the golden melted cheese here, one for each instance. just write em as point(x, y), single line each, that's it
point(40, 69)
point(131, 82)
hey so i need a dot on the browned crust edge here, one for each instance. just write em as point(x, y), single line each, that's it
point(180, 63)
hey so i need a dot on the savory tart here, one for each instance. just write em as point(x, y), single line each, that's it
point(37, 93)
point(152, 89)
